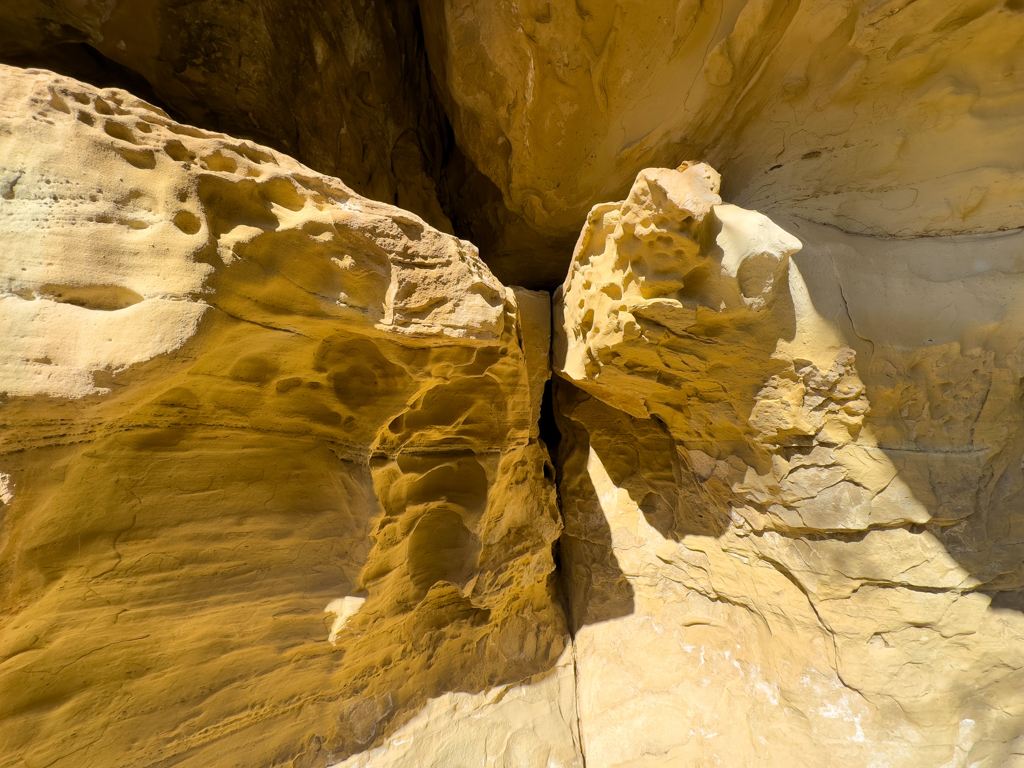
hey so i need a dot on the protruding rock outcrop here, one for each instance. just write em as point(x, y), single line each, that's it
point(343, 87)
point(237, 394)
point(791, 495)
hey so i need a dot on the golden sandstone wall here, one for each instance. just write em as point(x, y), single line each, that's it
point(293, 473)
point(239, 396)
point(791, 537)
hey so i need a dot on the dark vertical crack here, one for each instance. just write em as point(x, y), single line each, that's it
point(549, 431)
point(576, 697)
point(552, 439)
point(551, 436)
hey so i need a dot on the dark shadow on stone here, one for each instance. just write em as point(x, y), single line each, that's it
point(83, 62)
point(669, 492)
point(515, 252)
point(593, 584)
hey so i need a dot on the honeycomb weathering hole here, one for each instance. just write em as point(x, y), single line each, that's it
point(107, 298)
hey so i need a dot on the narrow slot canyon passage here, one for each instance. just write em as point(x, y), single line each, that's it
point(456, 384)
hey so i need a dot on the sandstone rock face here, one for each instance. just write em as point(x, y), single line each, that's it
point(341, 86)
point(271, 469)
point(791, 482)
point(294, 477)
point(880, 116)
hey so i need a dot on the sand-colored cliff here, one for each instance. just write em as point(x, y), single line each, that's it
point(294, 474)
point(883, 117)
point(792, 498)
point(272, 477)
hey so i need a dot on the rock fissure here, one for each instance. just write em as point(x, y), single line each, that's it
point(743, 488)
point(576, 688)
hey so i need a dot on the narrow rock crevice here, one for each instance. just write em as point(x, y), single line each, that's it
point(551, 436)
point(576, 695)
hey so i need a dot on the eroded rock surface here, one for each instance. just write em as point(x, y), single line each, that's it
point(791, 481)
point(878, 116)
point(271, 475)
point(274, 476)
point(888, 118)
point(343, 86)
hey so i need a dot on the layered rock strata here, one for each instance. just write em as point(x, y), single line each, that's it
point(791, 482)
point(271, 474)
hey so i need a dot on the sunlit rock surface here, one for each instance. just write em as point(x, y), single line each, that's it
point(271, 475)
point(533, 724)
point(880, 116)
point(285, 480)
point(791, 481)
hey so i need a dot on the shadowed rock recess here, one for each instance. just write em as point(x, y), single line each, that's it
point(293, 473)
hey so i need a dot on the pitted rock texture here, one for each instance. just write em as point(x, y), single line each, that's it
point(284, 477)
point(343, 86)
point(791, 496)
point(271, 474)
